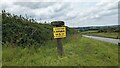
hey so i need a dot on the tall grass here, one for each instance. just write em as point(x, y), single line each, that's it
point(78, 51)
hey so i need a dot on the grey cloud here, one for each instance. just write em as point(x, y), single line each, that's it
point(101, 10)
point(108, 5)
point(60, 11)
point(59, 14)
point(34, 5)
point(70, 18)
point(3, 6)
point(114, 7)
point(64, 10)
point(74, 16)
point(57, 11)
point(63, 6)
point(113, 12)
point(102, 14)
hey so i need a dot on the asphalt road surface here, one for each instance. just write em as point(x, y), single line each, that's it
point(115, 41)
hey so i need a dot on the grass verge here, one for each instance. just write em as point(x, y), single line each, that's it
point(78, 51)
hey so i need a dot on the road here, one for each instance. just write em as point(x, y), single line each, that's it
point(115, 41)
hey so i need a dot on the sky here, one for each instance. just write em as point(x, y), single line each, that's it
point(75, 13)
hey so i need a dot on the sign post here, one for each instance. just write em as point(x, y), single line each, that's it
point(59, 32)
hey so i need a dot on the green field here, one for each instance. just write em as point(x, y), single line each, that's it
point(78, 51)
point(107, 35)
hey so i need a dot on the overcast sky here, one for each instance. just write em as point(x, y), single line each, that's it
point(74, 13)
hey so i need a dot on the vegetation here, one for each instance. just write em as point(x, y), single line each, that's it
point(29, 43)
point(20, 31)
point(109, 29)
point(108, 32)
point(113, 28)
point(78, 51)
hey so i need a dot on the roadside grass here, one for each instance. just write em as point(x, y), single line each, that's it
point(0, 57)
point(78, 51)
point(107, 35)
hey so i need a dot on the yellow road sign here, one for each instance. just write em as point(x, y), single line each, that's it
point(59, 32)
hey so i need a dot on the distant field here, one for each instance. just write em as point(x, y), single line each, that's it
point(90, 31)
point(107, 35)
point(79, 51)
